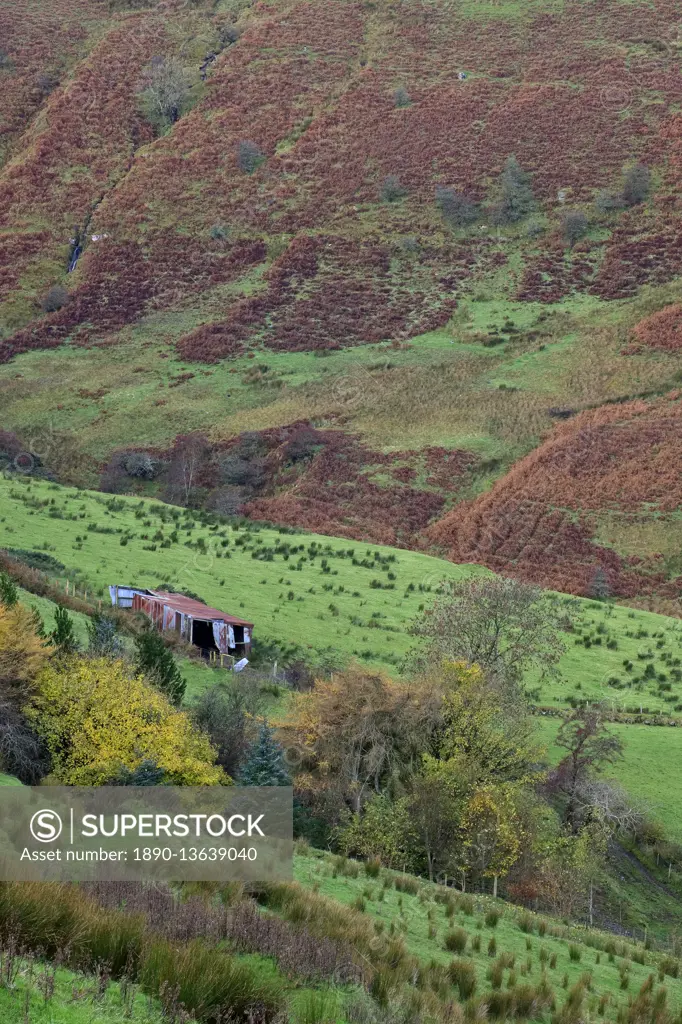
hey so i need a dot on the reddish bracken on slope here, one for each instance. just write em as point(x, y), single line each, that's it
point(311, 83)
point(538, 520)
point(661, 330)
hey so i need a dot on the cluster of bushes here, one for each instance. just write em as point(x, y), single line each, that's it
point(515, 201)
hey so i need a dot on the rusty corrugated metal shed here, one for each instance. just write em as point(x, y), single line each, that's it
point(196, 609)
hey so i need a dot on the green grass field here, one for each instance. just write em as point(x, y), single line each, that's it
point(316, 598)
point(650, 770)
point(342, 598)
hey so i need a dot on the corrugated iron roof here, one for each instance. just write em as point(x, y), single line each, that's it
point(196, 609)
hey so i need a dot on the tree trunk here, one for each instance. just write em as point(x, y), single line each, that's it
point(495, 886)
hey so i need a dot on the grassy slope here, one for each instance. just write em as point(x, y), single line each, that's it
point(235, 585)
point(411, 915)
point(259, 589)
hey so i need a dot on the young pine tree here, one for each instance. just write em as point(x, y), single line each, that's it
point(63, 636)
point(9, 594)
point(265, 765)
point(156, 662)
point(103, 639)
point(147, 773)
point(517, 194)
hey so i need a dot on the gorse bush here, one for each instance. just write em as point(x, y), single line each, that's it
point(95, 719)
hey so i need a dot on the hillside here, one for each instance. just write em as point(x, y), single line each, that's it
point(308, 593)
point(273, 259)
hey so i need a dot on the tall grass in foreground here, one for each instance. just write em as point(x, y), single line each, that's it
point(61, 923)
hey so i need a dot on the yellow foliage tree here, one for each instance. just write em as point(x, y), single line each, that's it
point(22, 651)
point(492, 832)
point(96, 719)
point(496, 742)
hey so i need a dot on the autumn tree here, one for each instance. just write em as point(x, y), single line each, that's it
point(356, 733)
point(22, 656)
point(188, 465)
point(492, 832)
point(480, 745)
point(503, 625)
point(491, 741)
point(97, 719)
point(226, 715)
point(590, 748)
point(437, 798)
point(22, 653)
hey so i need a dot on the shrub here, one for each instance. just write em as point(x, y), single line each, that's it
point(206, 979)
point(229, 34)
point(103, 639)
point(607, 202)
point(517, 195)
point(226, 714)
point(526, 923)
point(671, 966)
point(462, 973)
point(466, 905)
point(54, 299)
point(249, 156)
point(165, 88)
point(63, 636)
point(456, 940)
point(492, 917)
point(492, 946)
point(574, 225)
point(636, 184)
point(155, 660)
point(456, 209)
point(574, 952)
point(406, 883)
point(500, 1004)
point(139, 464)
point(401, 97)
point(373, 868)
point(391, 189)
point(9, 592)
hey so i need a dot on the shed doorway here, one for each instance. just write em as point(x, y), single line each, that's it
point(202, 635)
